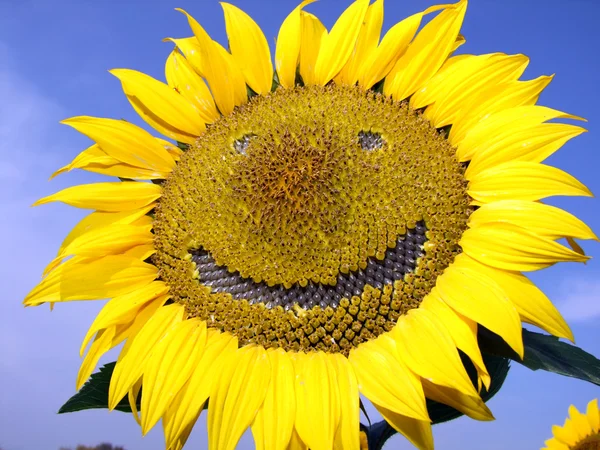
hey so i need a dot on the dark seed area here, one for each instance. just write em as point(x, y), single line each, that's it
point(370, 141)
point(398, 261)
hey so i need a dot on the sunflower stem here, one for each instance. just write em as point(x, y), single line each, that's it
point(378, 434)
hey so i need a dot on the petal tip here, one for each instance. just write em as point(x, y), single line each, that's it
point(41, 201)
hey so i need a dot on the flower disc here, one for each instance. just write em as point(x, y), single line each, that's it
point(308, 212)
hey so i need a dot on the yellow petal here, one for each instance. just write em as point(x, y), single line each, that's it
point(167, 105)
point(182, 77)
point(287, 51)
point(190, 47)
point(386, 380)
point(239, 96)
point(533, 144)
point(545, 220)
point(224, 77)
point(347, 436)
point(426, 53)
point(494, 99)
point(110, 240)
point(116, 169)
point(141, 252)
point(420, 333)
point(394, 44)
point(187, 405)
point(317, 400)
point(313, 32)
point(380, 61)
point(462, 330)
point(593, 415)
point(472, 406)
point(100, 219)
point(470, 76)
point(579, 422)
point(122, 332)
point(418, 432)
point(82, 278)
point(128, 331)
point(169, 367)
point(274, 423)
point(134, 356)
point(171, 148)
point(110, 197)
point(523, 180)
point(553, 444)
point(567, 434)
point(514, 248)
point(480, 298)
point(505, 122)
point(93, 159)
point(366, 44)
point(465, 82)
point(249, 48)
point(339, 44)
point(156, 122)
point(296, 443)
point(101, 345)
point(92, 154)
point(132, 397)
point(258, 430)
point(446, 79)
point(125, 142)
point(530, 302)
point(123, 308)
point(237, 396)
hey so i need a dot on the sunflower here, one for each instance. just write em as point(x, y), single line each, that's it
point(339, 224)
point(580, 431)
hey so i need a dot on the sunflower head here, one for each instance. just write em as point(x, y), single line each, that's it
point(579, 432)
point(343, 227)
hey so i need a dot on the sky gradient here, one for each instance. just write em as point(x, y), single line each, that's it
point(54, 62)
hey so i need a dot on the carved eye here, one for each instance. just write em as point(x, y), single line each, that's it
point(241, 145)
point(370, 141)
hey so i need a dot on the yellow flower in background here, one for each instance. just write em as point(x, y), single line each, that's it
point(580, 431)
point(342, 228)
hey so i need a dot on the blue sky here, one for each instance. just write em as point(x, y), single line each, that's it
point(54, 58)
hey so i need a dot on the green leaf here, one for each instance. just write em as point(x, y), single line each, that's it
point(275, 84)
point(250, 92)
point(364, 411)
point(94, 394)
point(380, 432)
point(378, 87)
point(545, 352)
